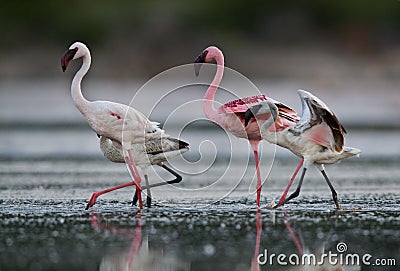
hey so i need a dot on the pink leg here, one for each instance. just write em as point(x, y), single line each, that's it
point(283, 197)
point(254, 146)
point(132, 168)
point(95, 195)
point(136, 182)
point(259, 184)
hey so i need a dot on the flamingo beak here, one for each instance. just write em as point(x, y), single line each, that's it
point(198, 62)
point(197, 67)
point(67, 57)
point(249, 114)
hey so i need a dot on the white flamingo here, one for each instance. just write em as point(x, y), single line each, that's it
point(144, 142)
point(318, 137)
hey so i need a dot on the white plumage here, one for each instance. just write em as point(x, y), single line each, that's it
point(317, 138)
point(126, 135)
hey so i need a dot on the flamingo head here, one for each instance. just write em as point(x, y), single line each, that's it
point(208, 55)
point(75, 51)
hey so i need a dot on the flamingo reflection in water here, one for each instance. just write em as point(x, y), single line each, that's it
point(138, 256)
point(254, 263)
point(322, 263)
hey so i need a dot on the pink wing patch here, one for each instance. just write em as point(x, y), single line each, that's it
point(241, 105)
point(279, 125)
point(117, 116)
point(320, 134)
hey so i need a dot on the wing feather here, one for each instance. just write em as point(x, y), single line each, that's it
point(324, 127)
point(241, 105)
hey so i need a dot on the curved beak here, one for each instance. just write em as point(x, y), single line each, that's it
point(197, 67)
point(198, 62)
point(67, 57)
point(249, 114)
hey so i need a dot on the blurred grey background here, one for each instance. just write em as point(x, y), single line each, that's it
point(261, 38)
point(345, 52)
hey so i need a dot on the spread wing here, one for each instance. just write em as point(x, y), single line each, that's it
point(319, 123)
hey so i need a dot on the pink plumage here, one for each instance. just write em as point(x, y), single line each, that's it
point(320, 134)
point(231, 116)
point(241, 105)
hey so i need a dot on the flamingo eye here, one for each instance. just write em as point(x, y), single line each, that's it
point(76, 49)
point(205, 52)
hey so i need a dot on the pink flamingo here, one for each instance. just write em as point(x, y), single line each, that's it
point(231, 115)
point(145, 144)
point(318, 137)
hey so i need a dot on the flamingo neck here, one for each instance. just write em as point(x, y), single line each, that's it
point(272, 123)
point(208, 105)
point(76, 92)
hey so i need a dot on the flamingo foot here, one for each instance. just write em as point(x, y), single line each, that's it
point(92, 200)
point(271, 205)
point(148, 201)
point(279, 204)
point(338, 207)
point(351, 208)
point(135, 199)
point(139, 196)
point(140, 203)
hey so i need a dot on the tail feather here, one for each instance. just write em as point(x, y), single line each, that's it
point(165, 145)
point(349, 152)
point(181, 144)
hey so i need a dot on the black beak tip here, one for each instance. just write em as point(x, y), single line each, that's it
point(246, 122)
point(198, 63)
point(247, 117)
point(197, 67)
